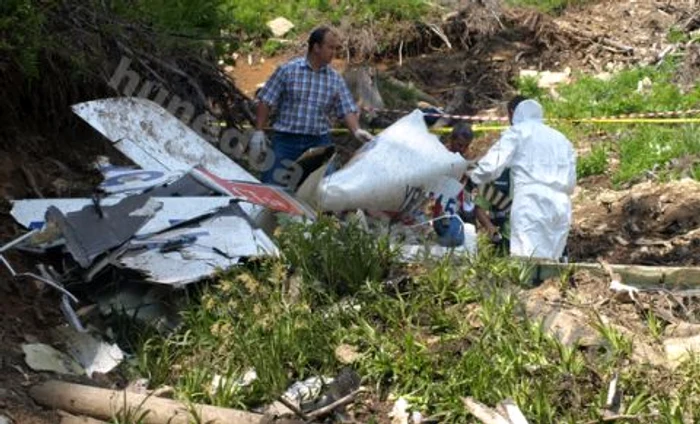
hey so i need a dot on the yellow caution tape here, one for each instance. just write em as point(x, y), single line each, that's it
point(486, 128)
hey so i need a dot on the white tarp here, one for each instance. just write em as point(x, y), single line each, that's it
point(402, 162)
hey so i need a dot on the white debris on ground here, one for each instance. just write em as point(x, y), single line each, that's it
point(42, 357)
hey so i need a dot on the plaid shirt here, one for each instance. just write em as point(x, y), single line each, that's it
point(305, 98)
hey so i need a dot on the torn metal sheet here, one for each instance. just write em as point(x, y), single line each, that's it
point(175, 210)
point(93, 354)
point(42, 357)
point(187, 186)
point(185, 255)
point(95, 230)
point(156, 137)
point(260, 194)
point(131, 180)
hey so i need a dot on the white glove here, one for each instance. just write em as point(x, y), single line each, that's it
point(363, 135)
point(257, 147)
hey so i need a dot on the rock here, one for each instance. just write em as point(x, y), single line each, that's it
point(680, 349)
point(572, 327)
point(280, 26)
point(5, 420)
point(682, 329)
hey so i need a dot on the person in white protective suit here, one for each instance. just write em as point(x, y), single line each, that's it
point(543, 168)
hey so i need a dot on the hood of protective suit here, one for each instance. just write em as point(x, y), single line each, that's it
point(528, 110)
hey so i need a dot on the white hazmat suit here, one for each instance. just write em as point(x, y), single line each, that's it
point(543, 170)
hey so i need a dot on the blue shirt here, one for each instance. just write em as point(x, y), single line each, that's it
point(306, 98)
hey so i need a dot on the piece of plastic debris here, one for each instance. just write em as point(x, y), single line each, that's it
point(307, 390)
point(416, 417)
point(93, 354)
point(42, 357)
point(219, 382)
point(616, 285)
point(399, 412)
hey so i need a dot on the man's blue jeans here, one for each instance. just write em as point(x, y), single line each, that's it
point(287, 148)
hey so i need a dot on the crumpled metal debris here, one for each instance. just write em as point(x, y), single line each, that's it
point(189, 210)
point(87, 354)
point(94, 355)
point(42, 357)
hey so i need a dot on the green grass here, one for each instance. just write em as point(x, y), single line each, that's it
point(639, 147)
point(595, 163)
point(249, 17)
point(453, 329)
point(547, 6)
point(21, 35)
point(241, 25)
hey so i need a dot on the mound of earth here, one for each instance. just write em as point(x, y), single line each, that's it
point(650, 224)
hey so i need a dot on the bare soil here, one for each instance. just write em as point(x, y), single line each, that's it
point(649, 224)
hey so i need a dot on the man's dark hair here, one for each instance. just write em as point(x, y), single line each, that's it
point(514, 102)
point(463, 130)
point(317, 36)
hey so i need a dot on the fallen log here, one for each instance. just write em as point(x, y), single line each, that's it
point(106, 404)
point(67, 418)
point(678, 279)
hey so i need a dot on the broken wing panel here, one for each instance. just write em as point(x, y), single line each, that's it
point(93, 231)
point(31, 213)
point(216, 243)
point(158, 133)
point(130, 180)
point(256, 193)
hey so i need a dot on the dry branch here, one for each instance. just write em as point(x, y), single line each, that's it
point(105, 404)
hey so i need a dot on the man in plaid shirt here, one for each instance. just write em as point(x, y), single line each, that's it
point(306, 92)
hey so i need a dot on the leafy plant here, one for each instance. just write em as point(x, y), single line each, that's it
point(595, 163)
